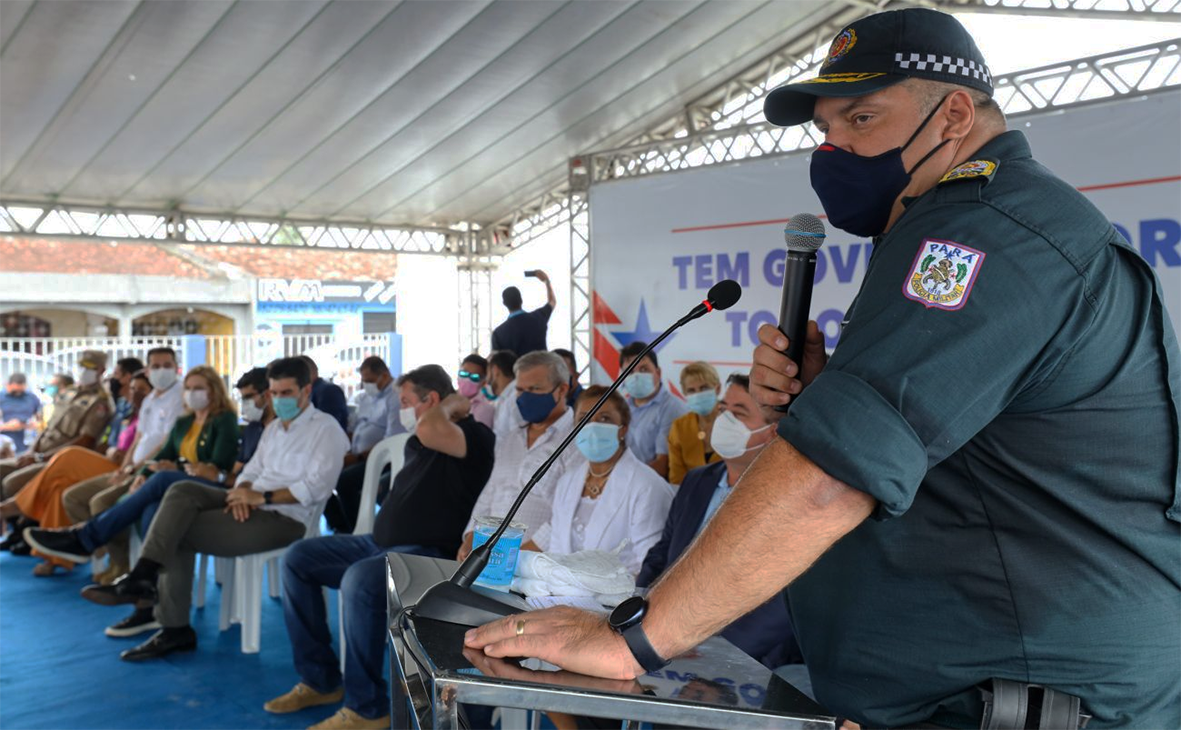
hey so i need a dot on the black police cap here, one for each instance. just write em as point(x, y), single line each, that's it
point(882, 50)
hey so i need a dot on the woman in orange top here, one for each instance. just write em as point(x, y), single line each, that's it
point(688, 439)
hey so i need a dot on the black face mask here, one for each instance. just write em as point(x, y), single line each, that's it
point(114, 386)
point(858, 193)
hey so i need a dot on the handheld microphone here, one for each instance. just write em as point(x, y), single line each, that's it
point(803, 235)
point(454, 601)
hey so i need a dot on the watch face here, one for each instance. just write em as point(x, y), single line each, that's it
point(628, 613)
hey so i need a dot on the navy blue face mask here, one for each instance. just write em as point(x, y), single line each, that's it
point(536, 407)
point(858, 192)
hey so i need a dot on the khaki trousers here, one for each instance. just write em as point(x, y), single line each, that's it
point(90, 498)
point(192, 520)
point(14, 479)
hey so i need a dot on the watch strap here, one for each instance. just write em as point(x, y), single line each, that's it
point(268, 497)
point(641, 648)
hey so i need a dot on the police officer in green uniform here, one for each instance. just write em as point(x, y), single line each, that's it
point(982, 487)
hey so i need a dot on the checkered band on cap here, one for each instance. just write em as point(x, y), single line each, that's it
point(943, 64)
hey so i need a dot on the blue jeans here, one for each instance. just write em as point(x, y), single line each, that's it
point(144, 503)
point(356, 565)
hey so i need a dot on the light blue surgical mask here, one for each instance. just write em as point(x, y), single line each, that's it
point(640, 385)
point(598, 442)
point(702, 403)
point(286, 408)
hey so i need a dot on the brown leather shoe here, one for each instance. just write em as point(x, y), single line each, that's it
point(302, 696)
point(346, 719)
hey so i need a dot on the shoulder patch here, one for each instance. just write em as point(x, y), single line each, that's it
point(973, 168)
point(942, 274)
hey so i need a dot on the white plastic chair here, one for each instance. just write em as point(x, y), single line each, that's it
point(241, 591)
point(391, 451)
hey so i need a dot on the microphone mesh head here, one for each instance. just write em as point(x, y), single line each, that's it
point(804, 232)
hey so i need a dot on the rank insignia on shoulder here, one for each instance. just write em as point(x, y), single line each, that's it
point(971, 169)
point(942, 274)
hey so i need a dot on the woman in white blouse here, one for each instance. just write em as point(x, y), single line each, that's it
point(614, 497)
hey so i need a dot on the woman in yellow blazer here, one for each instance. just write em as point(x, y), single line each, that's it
point(688, 439)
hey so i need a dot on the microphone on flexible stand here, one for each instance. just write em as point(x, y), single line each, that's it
point(454, 601)
point(803, 235)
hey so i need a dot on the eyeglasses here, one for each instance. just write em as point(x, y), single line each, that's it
point(474, 377)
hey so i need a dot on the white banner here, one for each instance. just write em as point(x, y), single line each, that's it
point(660, 242)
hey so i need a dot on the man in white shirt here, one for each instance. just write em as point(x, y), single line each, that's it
point(279, 493)
point(542, 380)
point(377, 414)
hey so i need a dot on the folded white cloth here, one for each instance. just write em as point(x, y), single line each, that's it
point(598, 574)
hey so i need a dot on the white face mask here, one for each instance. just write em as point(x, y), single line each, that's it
point(162, 378)
point(87, 377)
point(371, 389)
point(730, 436)
point(250, 411)
point(408, 419)
point(197, 400)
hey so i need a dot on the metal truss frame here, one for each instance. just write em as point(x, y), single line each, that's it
point(65, 221)
point(680, 144)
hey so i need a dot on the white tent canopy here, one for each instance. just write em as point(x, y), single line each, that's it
point(413, 113)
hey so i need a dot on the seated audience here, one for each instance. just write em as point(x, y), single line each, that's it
point(473, 373)
point(81, 415)
point(110, 526)
point(205, 439)
point(80, 420)
point(688, 438)
point(501, 391)
point(93, 496)
point(281, 491)
point(541, 383)
point(375, 409)
point(572, 364)
point(58, 384)
point(612, 499)
point(327, 397)
point(653, 408)
point(448, 460)
point(154, 421)
point(117, 387)
point(739, 433)
point(18, 412)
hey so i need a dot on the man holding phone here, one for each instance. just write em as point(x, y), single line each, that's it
point(524, 331)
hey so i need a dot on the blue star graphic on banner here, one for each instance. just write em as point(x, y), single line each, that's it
point(642, 333)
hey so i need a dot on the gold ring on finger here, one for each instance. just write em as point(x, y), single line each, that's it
point(520, 627)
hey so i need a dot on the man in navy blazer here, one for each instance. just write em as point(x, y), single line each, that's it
point(765, 633)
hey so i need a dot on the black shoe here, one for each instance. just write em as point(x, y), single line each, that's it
point(163, 643)
point(125, 590)
point(137, 623)
point(20, 547)
point(62, 544)
point(13, 538)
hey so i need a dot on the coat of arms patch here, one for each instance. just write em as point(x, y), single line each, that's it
point(942, 274)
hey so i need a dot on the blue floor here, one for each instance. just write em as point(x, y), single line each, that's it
point(58, 669)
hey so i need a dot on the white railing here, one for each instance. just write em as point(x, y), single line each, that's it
point(338, 358)
point(40, 358)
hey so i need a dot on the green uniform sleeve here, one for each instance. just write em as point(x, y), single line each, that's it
point(961, 312)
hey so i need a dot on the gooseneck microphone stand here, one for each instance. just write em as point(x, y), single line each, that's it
point(454, 601)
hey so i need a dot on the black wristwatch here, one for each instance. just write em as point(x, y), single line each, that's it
point(268, 497)
point(626, 620)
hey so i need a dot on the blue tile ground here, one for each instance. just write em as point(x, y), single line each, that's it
point(58, 670)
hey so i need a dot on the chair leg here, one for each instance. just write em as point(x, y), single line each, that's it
point(274, 580)
point(252, 615)
point(226, 614)
point(202, 569)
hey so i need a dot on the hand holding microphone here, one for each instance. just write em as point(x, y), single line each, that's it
point(792, 355)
